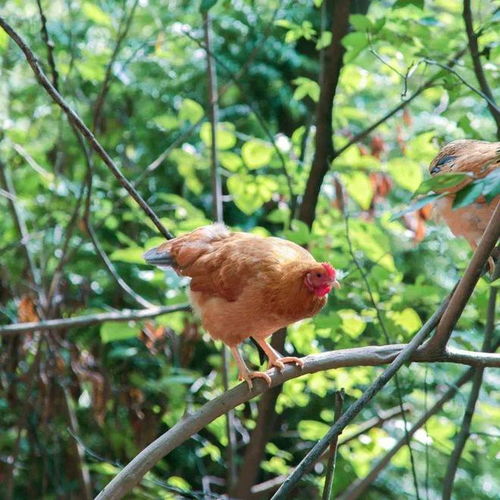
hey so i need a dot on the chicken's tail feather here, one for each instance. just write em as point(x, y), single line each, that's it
point(159, 257)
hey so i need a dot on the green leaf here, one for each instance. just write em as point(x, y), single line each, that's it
point(206, 5)
point(230, 160)
point(324, 40)
point(418, 204)
point(190, 111)
point(312, 430)
point(468, 195)
point(298, 233)
point(96, 14)
point(359, 187)
point(166, 122)
point(256, 153)
point(354, 43)
point(352, 323)
point(492, 185)
point(404, 3)
point(115, 330)
point(441, 181)
point(406, 173)
point(249, 192)
point(408, 319)
point(132, 255)
point(4, 40)
point(360, 22)
point(226, 138)
point(306, 87)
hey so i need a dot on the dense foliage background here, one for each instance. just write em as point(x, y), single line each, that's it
point(78, 402)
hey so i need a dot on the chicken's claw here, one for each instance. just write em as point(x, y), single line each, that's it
point(248, 376)
point(279, 363)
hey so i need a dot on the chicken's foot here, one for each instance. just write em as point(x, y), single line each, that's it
point(275, 358)
point(244, 373)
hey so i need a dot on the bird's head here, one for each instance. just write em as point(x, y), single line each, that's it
point(321, 278)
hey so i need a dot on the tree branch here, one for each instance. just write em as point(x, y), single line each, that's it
point(49, 44)
point(332, 454)
point(477, 380)
point(332, 58)
point(91, 319)
point(466, 285)
point(80, 125)
point(476, 62)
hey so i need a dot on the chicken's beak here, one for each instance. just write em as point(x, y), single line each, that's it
point(335, 284)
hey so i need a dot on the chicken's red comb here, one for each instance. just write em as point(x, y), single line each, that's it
point(329, 270)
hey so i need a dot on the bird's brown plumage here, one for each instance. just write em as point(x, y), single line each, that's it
point(243, 285)
point(478, 158)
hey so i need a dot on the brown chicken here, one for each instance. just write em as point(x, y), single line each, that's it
point(243, 285)
point(479, 158)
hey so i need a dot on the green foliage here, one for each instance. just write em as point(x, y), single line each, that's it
point(126, 383)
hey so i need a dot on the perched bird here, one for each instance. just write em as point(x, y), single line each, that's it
point(243, 285)
point(479, 158)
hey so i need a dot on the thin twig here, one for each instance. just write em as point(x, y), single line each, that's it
point(477, 380)
point(332, 455)
point(20, 224)
point(125, 23)
point(91, 319)
point(491, 104)
point(74, 118)
point(381, 321)
point(49, 44)
point(476, 62)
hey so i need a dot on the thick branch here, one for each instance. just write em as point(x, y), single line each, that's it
point(332, 58)
point(476, 62)
point(91, 319)
point(477, 380)
point(80, 125)
point(466, 285)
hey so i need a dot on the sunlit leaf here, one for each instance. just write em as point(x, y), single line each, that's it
point(96, 14)
point(113, 330)
point(226, 137)
point(256, 154)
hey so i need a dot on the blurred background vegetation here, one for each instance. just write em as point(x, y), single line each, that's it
point(76, 403)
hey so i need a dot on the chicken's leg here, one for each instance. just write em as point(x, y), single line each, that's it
point(244, 373)
point(275, 358)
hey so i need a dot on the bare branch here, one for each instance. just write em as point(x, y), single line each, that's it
point(476, 62)
point(91, 319)
point(80, 125)
point(477, 380)
point(332, 454)
point(466, 285)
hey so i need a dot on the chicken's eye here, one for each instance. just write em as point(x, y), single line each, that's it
point(318, 275)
